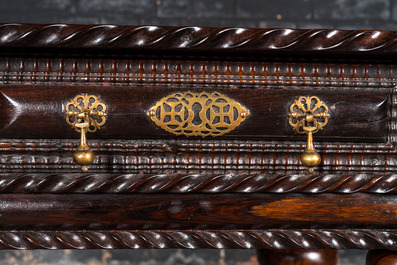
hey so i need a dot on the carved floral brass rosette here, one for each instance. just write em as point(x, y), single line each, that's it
point(198, 114)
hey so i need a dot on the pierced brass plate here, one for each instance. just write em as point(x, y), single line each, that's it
point(198, 114)
point(86, 108)
point(306, 107)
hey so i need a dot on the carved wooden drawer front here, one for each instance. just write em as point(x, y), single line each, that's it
point(359, 115)
point(196, 138)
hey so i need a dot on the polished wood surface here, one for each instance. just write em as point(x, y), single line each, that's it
point(381, 257)
point(197, 211)
point(190, 183)
point(297, 257)
point(188, 156)
point(238, 43)
point(360, 116)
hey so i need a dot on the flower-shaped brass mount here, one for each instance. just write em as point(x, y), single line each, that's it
point(309, 115)
point(85, 113)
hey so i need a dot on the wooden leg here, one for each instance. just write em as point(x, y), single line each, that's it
point(297, 257)
point(381, 257)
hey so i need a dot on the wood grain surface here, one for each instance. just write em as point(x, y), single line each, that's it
point(196, 211)
point(381, 257)
point(297, 257)
point(39, 112)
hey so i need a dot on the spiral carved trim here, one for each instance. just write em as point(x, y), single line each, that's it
point(197, 38)
point(180, 183)
point(271, 239)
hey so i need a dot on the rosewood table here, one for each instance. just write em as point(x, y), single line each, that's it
point(278, 140)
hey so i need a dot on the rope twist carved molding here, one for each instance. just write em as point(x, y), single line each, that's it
point(205, 39)
point(190, 183)
point(255, 239)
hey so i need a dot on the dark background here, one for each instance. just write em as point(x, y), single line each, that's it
point(340, 14)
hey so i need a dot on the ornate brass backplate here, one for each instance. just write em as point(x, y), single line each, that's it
point(305, 106)
point(86, 107)
point(198, 114)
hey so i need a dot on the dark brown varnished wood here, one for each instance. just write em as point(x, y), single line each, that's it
point(272, 157)
point(217, 239)
point(355, 116)
point(297, 257)
point(196, 71)
point(153, 40)
point(194, 157)
point(65, 183)
point(197, 211)
point(381, 257)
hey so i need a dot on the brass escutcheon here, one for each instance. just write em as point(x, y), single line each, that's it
point(198, 114)
point(85, 113)
point(309, 115)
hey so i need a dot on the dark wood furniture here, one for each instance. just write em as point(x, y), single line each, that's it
point(148, 188)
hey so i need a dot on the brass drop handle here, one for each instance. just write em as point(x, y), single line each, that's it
point(83, 154)
point(309, 115)
point(85, 113)
point(310, 157)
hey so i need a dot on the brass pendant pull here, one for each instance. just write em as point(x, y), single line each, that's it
point(309, 115)
point(85, 113)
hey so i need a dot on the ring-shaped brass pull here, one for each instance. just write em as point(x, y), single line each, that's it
point(85, 113)
point(308, 115)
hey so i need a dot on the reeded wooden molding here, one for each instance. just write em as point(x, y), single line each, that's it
point(217, 73)
point(112, 37)
point(191, 183)
point(181, 144)
point(288, 163)
point(186, 155)
point(344, 164)
point(245, 239)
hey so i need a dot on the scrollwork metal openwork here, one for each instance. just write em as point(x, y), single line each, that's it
point(89, 105)
point(198, 114)
point(308, 105)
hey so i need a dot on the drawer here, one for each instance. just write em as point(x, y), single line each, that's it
point(36, 111)
point(40, 79)
point(359, 134)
